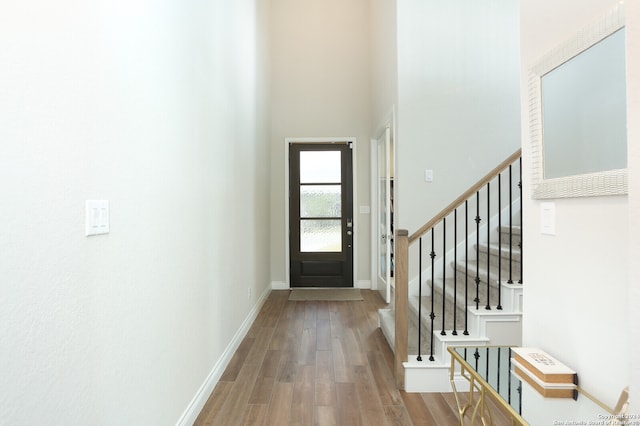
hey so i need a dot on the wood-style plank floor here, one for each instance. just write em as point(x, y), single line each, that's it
point(319, 363)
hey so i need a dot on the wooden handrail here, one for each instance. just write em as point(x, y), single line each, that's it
point(468, 193)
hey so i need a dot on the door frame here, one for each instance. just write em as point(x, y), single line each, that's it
point(287, 245)
point(390, 122)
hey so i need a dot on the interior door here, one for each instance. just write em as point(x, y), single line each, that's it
point(385, 231)
point(321, 214)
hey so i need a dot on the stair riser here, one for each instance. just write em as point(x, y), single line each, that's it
point(484, 324)
point(442, 342)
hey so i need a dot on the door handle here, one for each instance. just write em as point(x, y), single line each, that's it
point(349, 232)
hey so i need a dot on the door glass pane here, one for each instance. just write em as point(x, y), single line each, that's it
point(382, 225)
point(320, 201)
point(320, 235)
point(320, 167)
point(382, 212)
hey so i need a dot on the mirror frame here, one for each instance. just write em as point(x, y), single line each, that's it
point(611, 182)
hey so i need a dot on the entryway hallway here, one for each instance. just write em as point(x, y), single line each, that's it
point(319, 363)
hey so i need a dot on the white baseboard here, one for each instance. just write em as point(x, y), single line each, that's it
point(364, 284)
point(195, 407)
point(279, 285)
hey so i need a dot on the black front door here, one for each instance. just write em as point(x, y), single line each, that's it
point(321, 214)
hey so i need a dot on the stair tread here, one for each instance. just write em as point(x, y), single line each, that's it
point(460, 299)
point(517, 229)
point(496, 248)
point(482, 269)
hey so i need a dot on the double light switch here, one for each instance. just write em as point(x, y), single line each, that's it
point(97, 217)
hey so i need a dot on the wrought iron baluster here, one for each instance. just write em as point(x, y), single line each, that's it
point(455, 271)
point(477, 299)
point(519, 390)
point(509, 382)
point(476, 355)
point(466, 268)
point(444, 273)
point(487, 361)
point(520, 186)
point(488, 305)
point(420, 300)
point(510, 281)
point(432, 315)
point(499, 307)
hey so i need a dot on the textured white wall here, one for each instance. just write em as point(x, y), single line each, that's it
point(154, 107)
point(320, 69)
point(576, 282)
point(458, 90)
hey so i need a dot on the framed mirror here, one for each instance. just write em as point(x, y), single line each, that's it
point(577, 115)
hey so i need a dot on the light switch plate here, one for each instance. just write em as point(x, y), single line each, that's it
point(548, 218)
point(97, 217)
point(428, 175)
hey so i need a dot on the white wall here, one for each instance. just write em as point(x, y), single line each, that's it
point(158, 108)
point(633, 124)
point(576, 283)
point(320, 86)
point(458, 108)
point(384, 61)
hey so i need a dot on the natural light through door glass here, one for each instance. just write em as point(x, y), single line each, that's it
point(320, 167)
point(320, 235)
point(320, 201)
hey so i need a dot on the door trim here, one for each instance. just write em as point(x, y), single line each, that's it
point(354, 171)
point(390, 122)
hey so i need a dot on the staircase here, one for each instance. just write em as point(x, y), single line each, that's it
point(495, 257)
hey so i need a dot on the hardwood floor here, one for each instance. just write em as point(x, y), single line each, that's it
point(318, 363)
